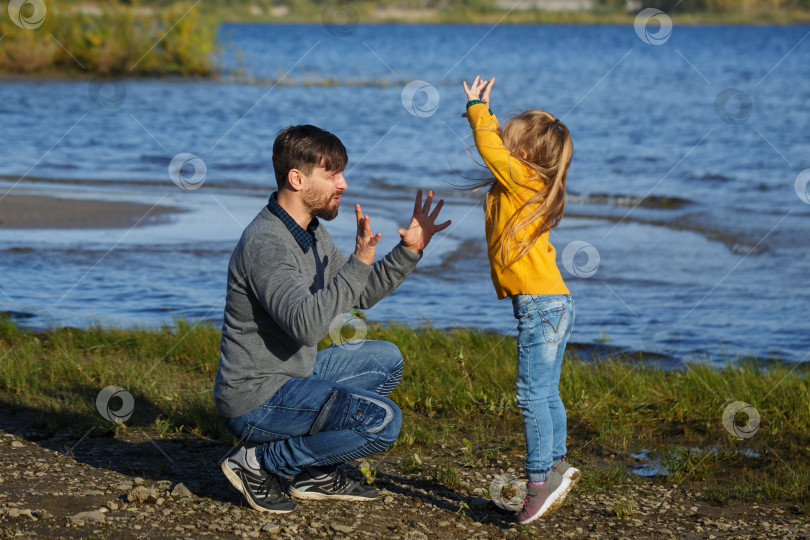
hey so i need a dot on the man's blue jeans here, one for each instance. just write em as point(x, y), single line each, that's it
point(544, 326)
point(338, 414)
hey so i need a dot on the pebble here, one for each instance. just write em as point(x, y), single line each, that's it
point(180, 491)
point(92, 515)
point(388, 500)
point(271, 528)
point(16, 444)
point(142, 494)
point(16, 512)
point(342, 528)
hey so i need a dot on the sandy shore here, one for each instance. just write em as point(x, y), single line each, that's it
point(38, 212)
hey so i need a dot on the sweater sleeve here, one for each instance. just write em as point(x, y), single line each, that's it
point(387, 274)
point(274, 276)
point(486, 132)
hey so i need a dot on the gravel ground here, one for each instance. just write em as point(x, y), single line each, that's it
point(94, 485)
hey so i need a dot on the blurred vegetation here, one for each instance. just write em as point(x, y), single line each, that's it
point(457, 392)
point(715, 6)
point(109, 39)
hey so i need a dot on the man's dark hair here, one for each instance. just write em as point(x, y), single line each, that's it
point(304, 147)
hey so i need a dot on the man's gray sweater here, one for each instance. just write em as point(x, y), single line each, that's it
point(280, 303)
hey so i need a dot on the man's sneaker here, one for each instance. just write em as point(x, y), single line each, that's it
point(568, 477)
point(315, 484)
point(263, 491)
point(537, 505)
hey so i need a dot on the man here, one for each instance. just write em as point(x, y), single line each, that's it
point(297, 411)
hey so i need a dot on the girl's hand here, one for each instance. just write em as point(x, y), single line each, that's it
point(480, 90)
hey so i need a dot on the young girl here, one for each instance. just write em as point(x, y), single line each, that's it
point(529, 158)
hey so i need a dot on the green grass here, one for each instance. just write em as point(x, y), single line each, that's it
point(457, 396)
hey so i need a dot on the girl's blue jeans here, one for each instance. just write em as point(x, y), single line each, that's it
point(544, 326)
point(337, 414)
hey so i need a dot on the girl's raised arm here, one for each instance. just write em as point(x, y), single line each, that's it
point(486, 133)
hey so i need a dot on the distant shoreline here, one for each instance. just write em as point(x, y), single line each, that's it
point(676, 21)
point(195, 61)
point(240, 15)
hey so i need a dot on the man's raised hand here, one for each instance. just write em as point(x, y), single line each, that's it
point(366, 240)
point(423, 224)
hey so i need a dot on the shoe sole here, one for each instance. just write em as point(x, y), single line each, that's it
point(236, 482)
point(315, 496)
point(570, 478)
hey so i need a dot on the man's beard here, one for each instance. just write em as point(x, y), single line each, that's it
point(322, 207)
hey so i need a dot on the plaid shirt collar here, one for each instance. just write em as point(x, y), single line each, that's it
point(305, 238)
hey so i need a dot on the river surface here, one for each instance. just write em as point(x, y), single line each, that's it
point(687, 220)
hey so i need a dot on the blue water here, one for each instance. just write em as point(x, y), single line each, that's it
point(712, 265)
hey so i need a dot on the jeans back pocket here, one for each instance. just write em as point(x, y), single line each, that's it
point(555, 323)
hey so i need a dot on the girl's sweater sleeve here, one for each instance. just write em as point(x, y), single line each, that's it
point(486, 132)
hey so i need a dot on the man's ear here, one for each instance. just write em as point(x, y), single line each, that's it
point(295, 179)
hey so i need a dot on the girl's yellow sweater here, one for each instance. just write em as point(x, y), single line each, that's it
point(536, 272)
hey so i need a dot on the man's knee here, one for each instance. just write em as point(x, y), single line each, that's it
point(389, 358)
point(387, 354)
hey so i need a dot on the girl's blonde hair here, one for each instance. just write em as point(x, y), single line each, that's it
point(543, 144)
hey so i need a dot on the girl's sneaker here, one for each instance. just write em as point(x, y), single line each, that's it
point(568, 477)
point(542, 501)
